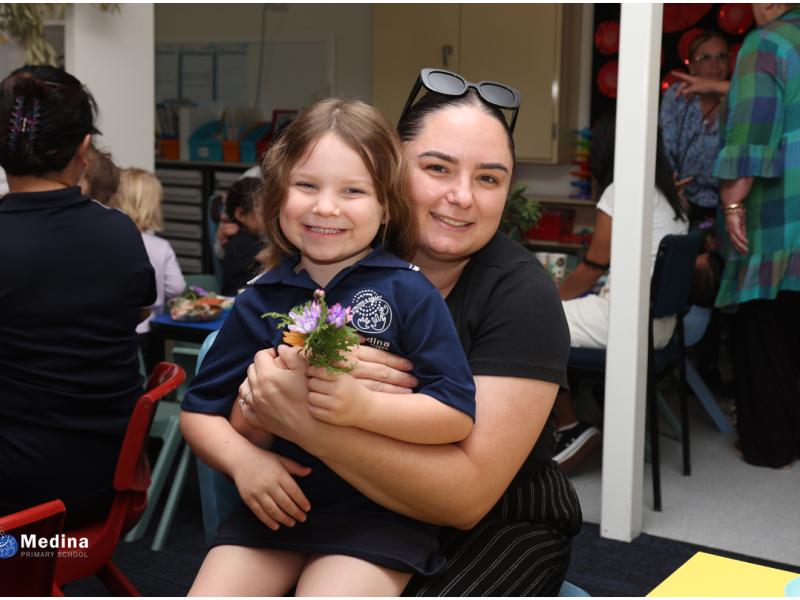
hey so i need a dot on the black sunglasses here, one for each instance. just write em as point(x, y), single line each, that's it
point(448, 83)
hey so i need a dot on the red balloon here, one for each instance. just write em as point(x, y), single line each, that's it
point(694, 12)
point(686, 40)
point(735, 18)
point(680, 16)
point(606, 37)
point(607, 79)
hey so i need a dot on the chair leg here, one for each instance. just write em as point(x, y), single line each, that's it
point(684, 399)
point(707, 399)
point(172, 500)
point(172, 441)
point(666, 413)
point(655, 457)
point(116, 581)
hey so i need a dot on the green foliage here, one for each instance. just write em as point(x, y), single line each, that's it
point(24, 23)
point(520, 214)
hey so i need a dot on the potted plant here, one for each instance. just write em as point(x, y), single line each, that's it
point(520, 214)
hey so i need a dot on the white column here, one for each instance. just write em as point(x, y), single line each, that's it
point(626, 363)
point(113, 54)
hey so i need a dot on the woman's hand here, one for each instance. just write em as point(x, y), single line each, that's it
point(736, 224)
point(680, 188)
point(338, 399)
point(266, 484)
point(382, 371)
point(691, 85)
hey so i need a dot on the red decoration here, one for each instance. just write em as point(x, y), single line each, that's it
point(607, 79)
point(681, 16)
point(686, 40)
point(606, 37)
point(733, 53)
point(735, 18)
point(667, 81)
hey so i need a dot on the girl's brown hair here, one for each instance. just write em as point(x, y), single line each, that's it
point(139, 196)
point(371, 136)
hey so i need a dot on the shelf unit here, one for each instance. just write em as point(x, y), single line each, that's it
point(188, 186)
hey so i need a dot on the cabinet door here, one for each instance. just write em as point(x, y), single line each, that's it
point(518, 44)
point(405, 39)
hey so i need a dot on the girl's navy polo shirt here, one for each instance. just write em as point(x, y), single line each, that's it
point(393, 305)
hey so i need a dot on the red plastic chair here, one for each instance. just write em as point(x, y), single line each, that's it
point(20, 573)
point(131, 480)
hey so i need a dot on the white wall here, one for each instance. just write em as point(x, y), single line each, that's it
point(113, 55)
point(350, 24)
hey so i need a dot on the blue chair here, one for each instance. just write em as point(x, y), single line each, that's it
point(218, 495)
point(569, 590)
point(669, 296)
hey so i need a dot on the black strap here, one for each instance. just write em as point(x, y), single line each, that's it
point(594, 265)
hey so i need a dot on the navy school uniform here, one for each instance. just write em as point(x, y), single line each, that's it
point(396, 309)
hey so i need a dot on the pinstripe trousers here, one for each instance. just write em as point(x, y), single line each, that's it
point(520, 548)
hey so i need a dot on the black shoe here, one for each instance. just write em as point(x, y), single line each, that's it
point(574, 444)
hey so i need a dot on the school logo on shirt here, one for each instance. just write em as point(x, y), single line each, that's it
point(371, 313)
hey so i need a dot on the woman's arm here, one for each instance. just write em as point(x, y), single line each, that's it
point(452, 484)
point(418, 418)
point(585, 276)
point(691, 84)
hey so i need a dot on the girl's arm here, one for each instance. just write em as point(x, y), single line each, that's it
point(174, 283)
point(585, 276)
point(448, 484)
point(253, 433)
point(418, 418)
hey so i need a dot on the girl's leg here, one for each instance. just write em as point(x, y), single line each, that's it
point(241, 571)
point(337, 575)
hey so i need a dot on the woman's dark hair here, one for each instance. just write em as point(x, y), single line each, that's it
point(242, 195)
point(411, 124)
point(45, 113)
point(601, 162)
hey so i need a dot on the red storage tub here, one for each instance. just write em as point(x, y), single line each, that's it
point(554, 223)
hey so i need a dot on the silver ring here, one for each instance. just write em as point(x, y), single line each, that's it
point(242, 402)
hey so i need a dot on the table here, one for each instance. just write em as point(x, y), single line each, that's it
point(716, 576)
point(163, 328)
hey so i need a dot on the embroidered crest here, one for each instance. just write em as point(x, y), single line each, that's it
point(371, 313)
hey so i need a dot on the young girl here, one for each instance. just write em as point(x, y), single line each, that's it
point(239, 264)
point(334, 197)
point(139, 196)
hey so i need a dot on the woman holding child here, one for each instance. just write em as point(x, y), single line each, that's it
point(506, 511)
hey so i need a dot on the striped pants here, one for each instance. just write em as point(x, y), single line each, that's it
point(521, 548)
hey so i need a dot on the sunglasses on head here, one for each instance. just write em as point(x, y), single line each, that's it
point(448, 83)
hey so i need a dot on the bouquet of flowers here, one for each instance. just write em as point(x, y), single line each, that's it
point(322, 332)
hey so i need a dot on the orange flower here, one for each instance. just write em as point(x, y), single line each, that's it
point(294, 338)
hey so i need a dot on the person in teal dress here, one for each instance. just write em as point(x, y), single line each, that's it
point(759, 169)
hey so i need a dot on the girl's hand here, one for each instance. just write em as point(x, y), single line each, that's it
point(382, 371)
point(736, 224)
point(266, 485)
point(338, 399)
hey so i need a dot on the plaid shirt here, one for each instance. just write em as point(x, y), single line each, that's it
point(762, 140)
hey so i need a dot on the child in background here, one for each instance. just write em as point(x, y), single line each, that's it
point(100, 180)
point(334, 197)
point(239, 265)
point(139, 196)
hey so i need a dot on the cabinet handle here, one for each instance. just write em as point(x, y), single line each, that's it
point(447, 50)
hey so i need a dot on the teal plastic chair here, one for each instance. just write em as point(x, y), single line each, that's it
point(569, 590)
point(218, 495)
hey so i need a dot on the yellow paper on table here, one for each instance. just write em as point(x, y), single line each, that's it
point(716, 576)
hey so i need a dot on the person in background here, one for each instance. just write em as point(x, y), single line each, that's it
point(74, 277)
point(690, 127)
point(101, 178)
point(587, 315)
point(508, 511)
point(139, 196)
point(228, 228)
point(239, 265)
point(759, 167)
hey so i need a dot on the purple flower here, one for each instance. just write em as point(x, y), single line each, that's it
point(306, 322)
point(198, 290)
point(338, 316)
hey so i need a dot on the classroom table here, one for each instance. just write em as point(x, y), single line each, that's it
point(717, 576)
point(163, 328)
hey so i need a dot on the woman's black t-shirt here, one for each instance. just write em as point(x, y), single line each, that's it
point(510, 320)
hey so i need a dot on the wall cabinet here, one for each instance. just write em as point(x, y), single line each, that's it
point(533, 47)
